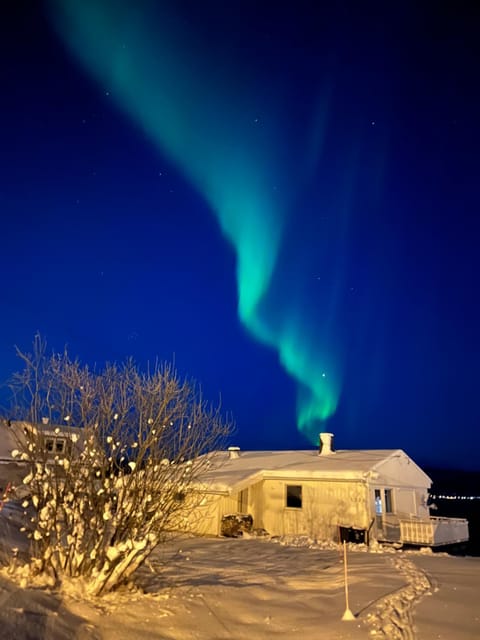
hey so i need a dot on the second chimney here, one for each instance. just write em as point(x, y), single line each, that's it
point(326, 444)
point(233, 452)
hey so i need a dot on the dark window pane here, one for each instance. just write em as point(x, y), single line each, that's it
point(294, 496)
point(388, 501)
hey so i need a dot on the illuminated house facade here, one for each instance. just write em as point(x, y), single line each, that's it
point(372, 494)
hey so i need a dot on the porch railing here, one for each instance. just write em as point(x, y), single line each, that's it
point(433, 531)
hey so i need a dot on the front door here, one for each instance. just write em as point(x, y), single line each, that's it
point(386, 518)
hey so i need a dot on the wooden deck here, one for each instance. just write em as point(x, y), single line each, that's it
point(433, 531)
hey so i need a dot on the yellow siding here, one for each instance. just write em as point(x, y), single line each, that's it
point(326, 505)
point(203, 517)
point(229, 504)
point(255, 504)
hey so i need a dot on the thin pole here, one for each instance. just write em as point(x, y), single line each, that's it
point(348, 615)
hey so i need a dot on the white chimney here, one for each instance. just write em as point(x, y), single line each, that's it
point(326, 444)
point(233, 452)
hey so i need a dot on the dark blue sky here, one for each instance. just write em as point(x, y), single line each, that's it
point(108, 247)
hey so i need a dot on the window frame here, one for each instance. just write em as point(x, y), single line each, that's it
point(242, 502)
point(60, 445)
point(388, 496)
point(378, 502)
point(289, 497)
point(56, 445)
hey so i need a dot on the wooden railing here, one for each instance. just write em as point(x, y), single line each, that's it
point(433, 531)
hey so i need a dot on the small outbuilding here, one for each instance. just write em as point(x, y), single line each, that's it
point(359, 495)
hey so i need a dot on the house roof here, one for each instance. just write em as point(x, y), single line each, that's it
point(229, 475)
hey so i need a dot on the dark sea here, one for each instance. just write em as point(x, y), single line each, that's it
point(456, 494)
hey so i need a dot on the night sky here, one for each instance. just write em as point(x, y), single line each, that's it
point(281, 198)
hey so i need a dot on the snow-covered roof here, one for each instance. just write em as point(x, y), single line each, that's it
point(48, 429)
point(232, 474)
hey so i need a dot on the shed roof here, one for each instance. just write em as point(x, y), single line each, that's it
point(227, 475)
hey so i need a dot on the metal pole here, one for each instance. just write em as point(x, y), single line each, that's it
point(348, 615)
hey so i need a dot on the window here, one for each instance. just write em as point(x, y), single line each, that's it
point(378, 502)
point(55, 445)
point(294, 496)
point(243, 501)
point(388, 501)
point(383, 505)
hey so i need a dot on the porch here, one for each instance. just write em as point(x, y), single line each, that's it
point(431, 532)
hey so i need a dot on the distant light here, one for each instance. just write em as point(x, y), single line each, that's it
point(443, 496)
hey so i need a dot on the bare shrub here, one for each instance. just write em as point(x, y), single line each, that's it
point(127, 472)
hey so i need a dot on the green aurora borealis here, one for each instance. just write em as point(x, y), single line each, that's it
point(201, 111)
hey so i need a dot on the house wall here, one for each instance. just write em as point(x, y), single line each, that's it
point(326, 505)
point(408, 486)
point(203, 515)
point(401, 471)
point(51, 440)
point(408, 483)
point(11, 437)
point(256, 500)
point(404, 502)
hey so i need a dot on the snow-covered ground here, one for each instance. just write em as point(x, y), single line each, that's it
point(223, 589)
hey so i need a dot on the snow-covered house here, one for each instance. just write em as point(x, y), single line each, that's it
point(375, 494)
point(15, 435)
point(53, 439)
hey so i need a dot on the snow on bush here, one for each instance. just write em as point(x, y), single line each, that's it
point(108, 498)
